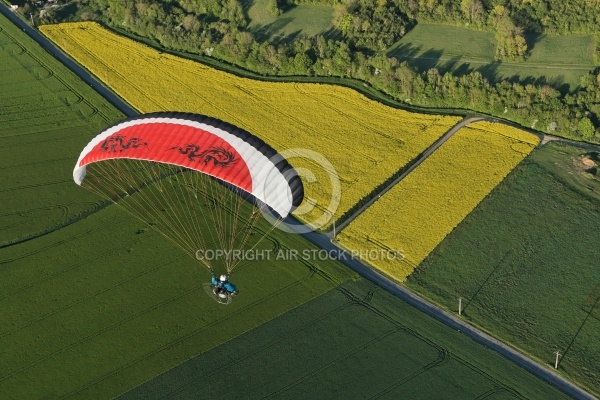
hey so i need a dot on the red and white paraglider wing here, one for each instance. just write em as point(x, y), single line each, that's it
point(203, 144)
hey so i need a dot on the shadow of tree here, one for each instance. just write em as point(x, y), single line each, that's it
point(429, 59)
point(533, 38)
point(404, 52)
point(282, 38)
point(557, 82)
point(332, 34)
point(453, 65)
point(490, 71)
point(271, 32)
point(246, 5)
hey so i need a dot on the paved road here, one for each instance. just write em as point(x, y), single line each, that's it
point(453, 321)
point(324, 241)
point(422, 157)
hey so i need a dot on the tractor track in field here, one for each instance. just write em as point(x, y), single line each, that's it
point(81, 72)
point(182, 338)
point(178, 391)
point(95, 207)
point(278, 394)
point(324, 240)
point(82, 299)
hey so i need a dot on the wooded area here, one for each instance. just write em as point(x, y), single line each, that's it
point(356, 47)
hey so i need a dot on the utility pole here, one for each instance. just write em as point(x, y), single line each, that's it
point(32, 23)
point(556, 361)
point(333, 236)
point(460, 306)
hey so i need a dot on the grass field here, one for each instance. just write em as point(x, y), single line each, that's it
point(565, 50)
point(420, 210)
point(353, 342)
point(98, 307)
point(304, 19)
point(430, 40)
point(283, 114)
point(525, 263)
point(46, 115)
point(558, 60)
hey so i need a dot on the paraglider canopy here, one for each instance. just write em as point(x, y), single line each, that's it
point(190, 177)
point(203, 144)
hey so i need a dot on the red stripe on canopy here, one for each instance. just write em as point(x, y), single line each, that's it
point(176, 144)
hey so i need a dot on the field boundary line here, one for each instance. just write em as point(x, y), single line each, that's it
point(57, 243)
point(96, 207)
point(75, 67)
point(277, 393)
point(182, 389)
point(89, 296)
point(184, 336)
point(519, 358)
point(324, 241)
point(413, 164)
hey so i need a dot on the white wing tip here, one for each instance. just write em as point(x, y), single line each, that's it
point(79, 174)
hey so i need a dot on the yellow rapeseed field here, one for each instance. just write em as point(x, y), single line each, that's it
point(365, 141)
point(416, 215)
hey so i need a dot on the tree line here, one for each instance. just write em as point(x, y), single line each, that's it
point(363, 29)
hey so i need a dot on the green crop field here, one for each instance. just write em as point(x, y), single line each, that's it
point(525, 262)
point(102, 303)
point(357, 341)
point(557, 60)
point(306, 19)
point(96, 303)
point(46, 115)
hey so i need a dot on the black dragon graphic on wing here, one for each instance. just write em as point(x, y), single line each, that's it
point(217, 155)
point(118, 143)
